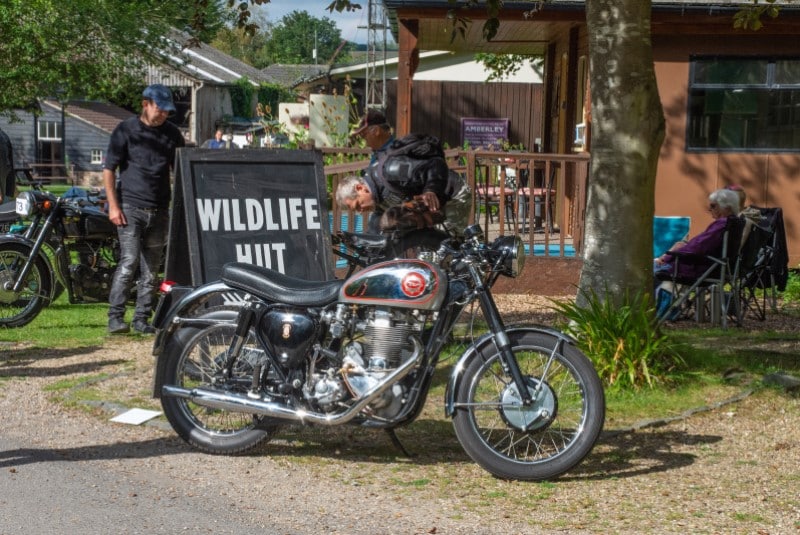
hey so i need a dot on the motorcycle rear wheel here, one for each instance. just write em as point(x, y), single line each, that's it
point(530, 443)
point(20, 308)
point(195, 356)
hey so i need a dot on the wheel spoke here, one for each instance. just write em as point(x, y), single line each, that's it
point(19, 308)
point(539, 443)
point(202, 366)
point(534, 441)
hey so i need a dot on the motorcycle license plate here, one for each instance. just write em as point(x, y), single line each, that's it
point(23, 206)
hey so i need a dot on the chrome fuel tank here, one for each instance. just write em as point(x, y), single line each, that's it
point(397, 283)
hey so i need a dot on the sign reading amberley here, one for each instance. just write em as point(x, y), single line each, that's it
point(483, 132)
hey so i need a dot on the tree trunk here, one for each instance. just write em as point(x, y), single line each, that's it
point(627, 132)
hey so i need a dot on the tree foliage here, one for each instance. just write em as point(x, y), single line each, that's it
point(751, 17)
point(289, 41)
point(294, 37)
point(502, 66)
point(245, 46)
point(244, 16)
point(84, 48)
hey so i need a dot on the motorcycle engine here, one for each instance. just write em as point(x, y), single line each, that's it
point(92, 274)
point(91, 285)
point(380, 341)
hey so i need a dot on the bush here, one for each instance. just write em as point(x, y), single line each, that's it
point(791, 295)
point(623, 342)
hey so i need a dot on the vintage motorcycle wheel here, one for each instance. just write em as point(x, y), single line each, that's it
point(195, 358)
point(20, 308)
point(539, 442)
point(415, 242)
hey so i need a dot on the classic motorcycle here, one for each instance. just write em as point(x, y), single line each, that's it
point(64, 242)
point(526, 404)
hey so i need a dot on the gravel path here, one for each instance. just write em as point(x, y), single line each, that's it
point(733, 469)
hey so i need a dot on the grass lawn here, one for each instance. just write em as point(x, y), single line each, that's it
point(718, 364)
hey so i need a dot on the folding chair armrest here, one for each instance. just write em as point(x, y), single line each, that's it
point(688, 257)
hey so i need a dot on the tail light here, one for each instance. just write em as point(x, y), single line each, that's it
point(166, 286)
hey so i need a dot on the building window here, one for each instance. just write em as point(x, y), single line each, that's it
point(97, 156)
point(744, 104)
point(49, 131)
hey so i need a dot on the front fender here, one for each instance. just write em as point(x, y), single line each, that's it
point(18, 239)
point(474, 351)
point(15, 238)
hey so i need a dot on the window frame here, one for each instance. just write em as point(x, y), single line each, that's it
point(44, 126)
point(767, 86)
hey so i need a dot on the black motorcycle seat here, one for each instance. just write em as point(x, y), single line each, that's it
point(275, 286)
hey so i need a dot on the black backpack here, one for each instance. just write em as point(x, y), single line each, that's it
point(408, 160)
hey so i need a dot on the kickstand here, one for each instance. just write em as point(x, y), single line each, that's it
point(396, 441)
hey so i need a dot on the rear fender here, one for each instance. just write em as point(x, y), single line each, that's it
point(188, 308)
point(474, 351)
point(182, 302)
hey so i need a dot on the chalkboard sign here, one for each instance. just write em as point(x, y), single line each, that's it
point(257, 206)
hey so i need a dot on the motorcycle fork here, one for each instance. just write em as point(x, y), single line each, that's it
point(501, 340)
point(44, 232)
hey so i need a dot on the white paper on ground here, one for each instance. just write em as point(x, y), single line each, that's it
point(135, 416)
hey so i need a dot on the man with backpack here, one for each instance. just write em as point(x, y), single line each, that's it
point(407, 181)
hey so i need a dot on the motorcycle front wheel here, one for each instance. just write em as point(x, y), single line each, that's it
point(196, 358)
point(536, 442)
point(21, 307)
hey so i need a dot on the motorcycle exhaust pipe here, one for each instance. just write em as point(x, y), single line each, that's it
point(215, 399)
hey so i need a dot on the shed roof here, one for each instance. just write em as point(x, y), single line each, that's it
point(101, 115)
point(292, 75)
point(202, 62)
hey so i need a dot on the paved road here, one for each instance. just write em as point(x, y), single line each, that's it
point(84, 490)
point(65, 472)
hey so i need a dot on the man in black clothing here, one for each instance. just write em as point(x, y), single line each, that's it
point(7, 179)
point(143, 150)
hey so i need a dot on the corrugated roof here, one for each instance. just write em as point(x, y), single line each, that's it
point(292, 75)
point(101, 115)
point(202, 62)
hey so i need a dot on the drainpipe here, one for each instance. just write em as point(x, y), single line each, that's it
point(193, 126)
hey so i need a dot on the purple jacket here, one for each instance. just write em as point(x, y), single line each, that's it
point(708, 242)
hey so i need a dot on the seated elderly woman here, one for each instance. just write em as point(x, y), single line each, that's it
point(722, 203)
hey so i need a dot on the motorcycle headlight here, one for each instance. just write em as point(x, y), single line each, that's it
point(514, 252)
point(26, 204)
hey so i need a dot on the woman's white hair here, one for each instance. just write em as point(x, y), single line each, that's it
point(726, 200)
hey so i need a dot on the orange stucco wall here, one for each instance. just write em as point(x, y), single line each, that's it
point(684, 180)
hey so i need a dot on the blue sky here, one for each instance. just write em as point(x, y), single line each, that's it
point(347, 22)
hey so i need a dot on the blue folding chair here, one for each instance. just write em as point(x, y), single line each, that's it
point(667, 231)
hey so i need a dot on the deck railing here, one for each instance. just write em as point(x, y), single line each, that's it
point(540, 196)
